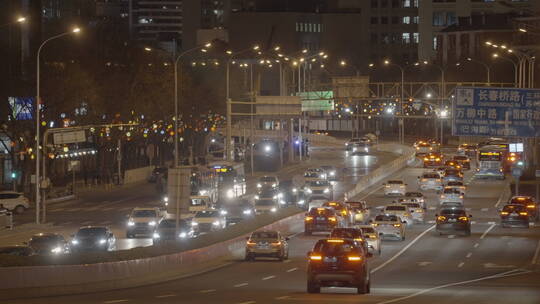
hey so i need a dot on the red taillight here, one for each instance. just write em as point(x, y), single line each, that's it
point(354, 258)
point(315, 257)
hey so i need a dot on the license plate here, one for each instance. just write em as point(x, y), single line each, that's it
point(321, 219)
point(451, 220)
point(330, 259)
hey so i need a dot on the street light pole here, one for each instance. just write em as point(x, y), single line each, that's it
point(37, 102)
point(485, 65)
point(513, 64)
point(401, 120)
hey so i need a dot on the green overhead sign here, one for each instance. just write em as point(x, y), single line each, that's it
point(317, 100)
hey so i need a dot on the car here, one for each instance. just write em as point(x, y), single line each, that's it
point(17, 250)
point(93, 238)
point(268, 181)
point(451, 195)
point(394, 187)
point(423, 148)
point(314, 174)
point(48, 244)
point(342, 210)
point(199, 203)
point(360, 148)
point(372, 238)
point(440, 170)
point(338, 262)
point(351, 142)
point(433, 160)
point(402, 211)
point(360, 211)
point(452, 164)
point(266, 205)
point(291, 194)
point(350, 233)
point(453, 220)
point(322, 220)
point(143, 221)
point(389, 226)
point(158, 172)
point(430, 181)
point(208, 221)
point(267, 243)
point(331, 172)
point(452, 175)
point(416, 210)
point(514, 215)
point(456, 185)
point(530, 203)
point(416, 197)
point(463, 161)
point(14, 201)
point(166, 230)
point(268, 193)
point(318, 189)
point(467, 149)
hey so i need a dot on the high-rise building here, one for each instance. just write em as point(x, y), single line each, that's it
point(156, 20)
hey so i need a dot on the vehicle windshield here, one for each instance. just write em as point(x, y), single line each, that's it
point(451, 172)
point(414, 194)
point(451, 191)
point(457, 212)
point(386, 218)
point(431, 175)
point(90, 232)
point(368, 230)
point(202, 214)
point(144, 213)
point(268, 179)
point(311, 174)
point(321, 212)
point(318, 183)
point(345, 233)
point(459, 157)
point(395, 208)
point(334, 249)
point(516, 208)
point(197, 202)
point(267, 193)
point(412, 205)
point(455, 184)
point(265, 202)
point(264, 235)
point(424, 145)
point(395, 182)
point(356, 205)
point(521, 200)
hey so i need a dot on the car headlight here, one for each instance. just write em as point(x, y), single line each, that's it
point(56, 250)
point(75, 242)
point(267, 148)
point(216, 223)
point(274, 209)
point(223, 212)
point(256, 197)
point(230, 193)
point(308, 190)
point(131, 223)
point(102, 241)
point(326, 190)
point(152, 223)
point(275, 196)
point(282, 202)
point(274, 185)
point(194, 224)
point(354, 149)
point(366, 149)
point(203, 192)
point(301, 202)
point(294, 190)
point(166, 199)
point(182, 235)
point(333, 173)
point(247, 212)
point(156, 235)
point(259, 185)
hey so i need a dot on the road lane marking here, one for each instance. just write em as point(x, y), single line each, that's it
point(473, 222)
point(432, 208)
point(461, 264)
point(287, 261)
point(484, 209)
point(431, 222)
point(476, 245)
point(282, 298)
point(268, 277)
point(493, 265)
point(115, 301)
point(241, 285)
point(292, 269)
point(491, 223)
point(468, 255)
point(536, 253)
point(402, 250)
point(247, 302)
point(370, 192)
point(207, 290)
point(423, 263)
point(451, 236)
point(487, 231)
point(166, 296)
point(421, 292)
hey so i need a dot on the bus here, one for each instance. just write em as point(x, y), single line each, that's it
point(204, 182)
point(492, 161)
point(231, 180)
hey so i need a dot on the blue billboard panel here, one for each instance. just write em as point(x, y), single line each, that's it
point(499, 112)
point(22, 108)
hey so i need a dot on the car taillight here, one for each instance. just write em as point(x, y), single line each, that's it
point(276, 243)
point(344, 212)
point(251, 243)
point(504, 213)
point(397, 225)
point(332, 219)
point(308, 218)
point(441, 218)
point(531, 206)
point(315, 257)
point(374, 224)
point(426, 159)
point(359, 239)
point(354, 258)
point(523, 213)
point(463, 218)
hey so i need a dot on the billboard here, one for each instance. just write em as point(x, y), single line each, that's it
point(498, 112)
point(351, 87)
point(22, 108)
point(317, 100)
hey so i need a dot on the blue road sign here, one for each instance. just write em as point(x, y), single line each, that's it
point(496, 112)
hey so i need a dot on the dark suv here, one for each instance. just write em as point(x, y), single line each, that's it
point(338, 262)
point(514, 215)
point(321, 219)
point(529, 203)
point(354, 234)
point(453, 220)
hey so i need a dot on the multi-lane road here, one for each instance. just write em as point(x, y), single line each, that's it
point(493, 265)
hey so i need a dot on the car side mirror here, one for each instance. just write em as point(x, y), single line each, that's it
point(309, 253)
point(384, 184)
point(406, 184)
point(306, 214)
point(371, 221)
point(369, 254)
point(470, 215)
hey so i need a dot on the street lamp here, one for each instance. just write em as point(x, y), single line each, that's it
point(495, 56)
point(484, 64)
point(20, 19)
point(37, 103)
point(402, 122)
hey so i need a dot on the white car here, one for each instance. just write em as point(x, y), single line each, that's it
point(143, 221)
point(313, 174)
point(430, 181)
point(389, 226)
point(268, 182)
point(450, 195)
point(266, 205)
point(199, 203)
point(416, 197)
point(208, 220)
point(319, 189)
point(372, 238)
point(402, 211)
point(14, 201)
point(416, 210)
point(394, 187)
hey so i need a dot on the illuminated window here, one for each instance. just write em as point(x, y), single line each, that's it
point(406, 38)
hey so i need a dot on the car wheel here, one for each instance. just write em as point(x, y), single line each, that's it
point(312, 287)
point(19, 209)
point(363, 287)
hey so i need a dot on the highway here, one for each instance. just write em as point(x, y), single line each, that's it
point(111, 208)
point(493, 265)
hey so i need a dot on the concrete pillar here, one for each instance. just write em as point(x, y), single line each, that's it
point(179, 190)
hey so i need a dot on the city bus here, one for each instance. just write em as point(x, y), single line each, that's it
point(204, 182)
point(231, 180)
point(492, 161)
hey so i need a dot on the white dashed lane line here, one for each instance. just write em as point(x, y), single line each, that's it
point(468, 255)
point(282, 298)
point(268, 277)
point(241, 285)
point(115, 301)
point(487, 231)
point(207, 290)
point(460, 264)
point(476, 245)
point(292, 269)
point(166, 296)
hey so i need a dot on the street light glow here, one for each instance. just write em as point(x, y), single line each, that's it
point(229, 52)
point(371, 65)
point(503, 46)
point(488, 43)
point(386, 61)
point(277, 48)
point(495, 55)
point(208, 45)
point(147, 49)
point(343, 63)
point(21, 19)
point(256, 47)
point(76, 30)
point(522, 30)
point(304, 51)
